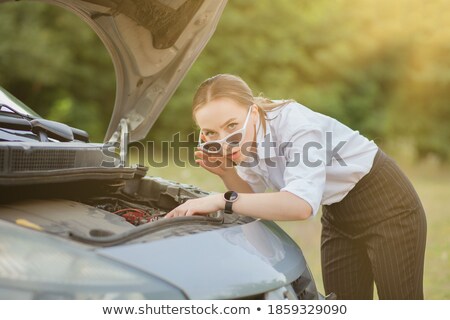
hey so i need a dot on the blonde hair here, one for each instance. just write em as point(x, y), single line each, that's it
point(233, 87)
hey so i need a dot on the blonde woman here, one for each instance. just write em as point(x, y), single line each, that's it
point(373, 223)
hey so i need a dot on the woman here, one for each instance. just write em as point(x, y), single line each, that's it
point(374, 226)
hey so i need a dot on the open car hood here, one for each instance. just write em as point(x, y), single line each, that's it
point(152, 44)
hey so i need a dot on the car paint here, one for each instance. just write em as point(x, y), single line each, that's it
point(228, 263)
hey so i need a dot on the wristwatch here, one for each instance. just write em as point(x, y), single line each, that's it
point(230, 197)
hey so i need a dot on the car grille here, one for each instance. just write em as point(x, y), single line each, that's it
point(39, 160)
point(22, 158)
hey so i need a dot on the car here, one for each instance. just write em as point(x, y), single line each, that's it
point(78, 222)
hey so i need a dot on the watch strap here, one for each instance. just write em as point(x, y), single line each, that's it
point(228, 207)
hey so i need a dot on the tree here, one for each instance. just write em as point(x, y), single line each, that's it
point(378, 66)
point(51, 60)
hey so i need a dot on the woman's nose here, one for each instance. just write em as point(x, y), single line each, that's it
point(222, 135)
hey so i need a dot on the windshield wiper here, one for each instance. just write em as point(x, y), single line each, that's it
point(43, 128)
point(8, 122)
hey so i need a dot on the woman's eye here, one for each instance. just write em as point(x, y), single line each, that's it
point(208, 134)
point(232, 126)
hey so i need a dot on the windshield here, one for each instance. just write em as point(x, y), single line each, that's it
point(12, 102)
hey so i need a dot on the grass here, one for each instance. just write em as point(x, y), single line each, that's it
point(431, 181)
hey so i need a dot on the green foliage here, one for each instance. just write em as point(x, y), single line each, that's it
point(379, 67)
point(50, 58)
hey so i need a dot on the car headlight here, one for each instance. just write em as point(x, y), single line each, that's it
point(35, 265)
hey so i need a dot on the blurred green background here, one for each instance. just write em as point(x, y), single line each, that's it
point(381, 67)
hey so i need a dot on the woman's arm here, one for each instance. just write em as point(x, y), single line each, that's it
point(224, 168)
point(233, 181)
point(269, 206)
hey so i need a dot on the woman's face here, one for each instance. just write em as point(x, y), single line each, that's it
point(221, 117)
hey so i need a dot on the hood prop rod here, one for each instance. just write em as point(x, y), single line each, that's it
point(120, 137)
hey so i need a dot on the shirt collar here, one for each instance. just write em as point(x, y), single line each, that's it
point(266, 145)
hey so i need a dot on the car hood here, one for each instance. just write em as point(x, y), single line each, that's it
point(152, 44)
point(230, 263)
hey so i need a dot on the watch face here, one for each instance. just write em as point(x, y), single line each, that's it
point(231, 195)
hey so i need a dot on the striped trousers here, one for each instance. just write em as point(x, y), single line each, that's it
point(376, 234)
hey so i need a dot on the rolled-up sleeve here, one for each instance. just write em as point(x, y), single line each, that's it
point(305, 174)
point(254, 180)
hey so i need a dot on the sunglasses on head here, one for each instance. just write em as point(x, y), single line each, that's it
point(233, 139)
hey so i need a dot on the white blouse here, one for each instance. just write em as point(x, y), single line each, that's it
point(309, 154)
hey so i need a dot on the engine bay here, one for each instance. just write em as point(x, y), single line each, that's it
point(136, 214)
point(106, 214)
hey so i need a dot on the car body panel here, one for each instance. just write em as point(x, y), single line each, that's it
point(36, 265)
point(222, 263)
point(59, 216)
point(228, 263)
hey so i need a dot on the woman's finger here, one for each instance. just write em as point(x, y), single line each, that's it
point(213, 164)
point(208, 165)
point(201, 163)
point(169, 215)
point(175, 212)
point(206, 157)
point(200, 155)
point(203, 154)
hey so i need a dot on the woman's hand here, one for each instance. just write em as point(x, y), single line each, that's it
point(201, 206)
point(217, 164)
point(281, 205)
